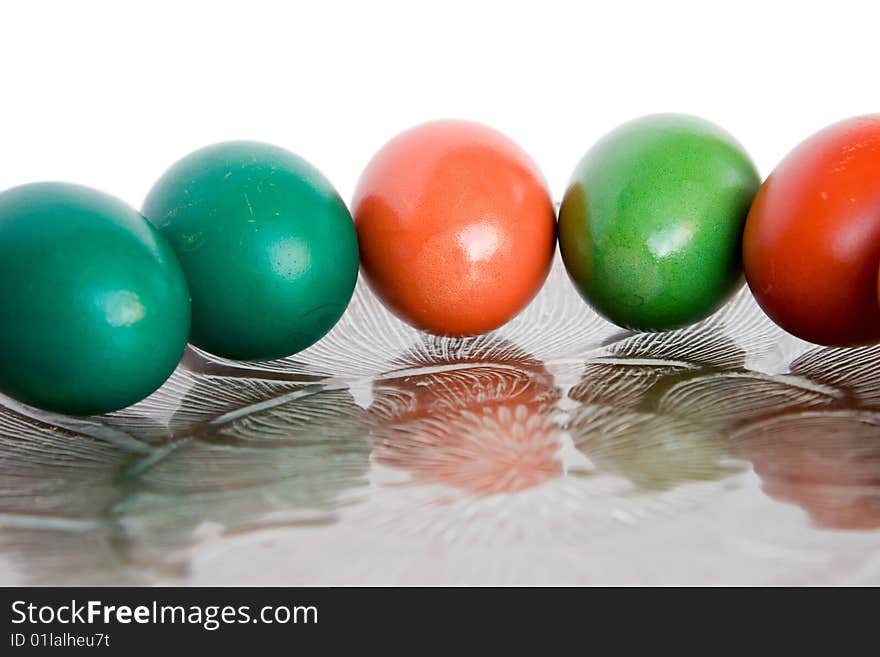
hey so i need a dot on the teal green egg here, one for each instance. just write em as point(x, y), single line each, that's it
point(268, 247)
point(94, 307)
point(651, 225)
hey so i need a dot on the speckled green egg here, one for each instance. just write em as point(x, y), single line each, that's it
point(651, 224)
point(94, 307)
point(268, 247)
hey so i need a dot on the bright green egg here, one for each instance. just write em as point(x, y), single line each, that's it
point(94, 307)
point(268, 247)
point(651, 224)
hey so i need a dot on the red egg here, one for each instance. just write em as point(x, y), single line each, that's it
point(811, 247)
point(456, 227)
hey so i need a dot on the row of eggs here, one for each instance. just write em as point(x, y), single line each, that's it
point(246, 251)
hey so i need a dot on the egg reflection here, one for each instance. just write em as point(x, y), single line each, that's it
point(484, 424)
point(660, 409)
point(827, 463)
point(624, 421)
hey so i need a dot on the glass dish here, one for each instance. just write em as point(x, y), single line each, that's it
point(559, 450)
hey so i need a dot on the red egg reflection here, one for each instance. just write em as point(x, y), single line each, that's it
point(826, 462)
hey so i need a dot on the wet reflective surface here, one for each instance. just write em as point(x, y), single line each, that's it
point(557, 450)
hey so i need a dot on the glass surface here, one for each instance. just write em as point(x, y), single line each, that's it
point(557, 450)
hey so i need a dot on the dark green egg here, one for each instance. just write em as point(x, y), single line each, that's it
point(268, 247)
point(94, 307)
point(651, 225)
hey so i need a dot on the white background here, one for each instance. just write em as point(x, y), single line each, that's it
point(109, 94)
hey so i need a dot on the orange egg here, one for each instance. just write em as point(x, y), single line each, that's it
point(456, 227)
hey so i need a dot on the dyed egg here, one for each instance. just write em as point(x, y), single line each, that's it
point(812, 241)
point(94, 307)
point(268, 247)
point(650, 227)
point(456, 227)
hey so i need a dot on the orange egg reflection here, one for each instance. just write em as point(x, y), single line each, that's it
point(483, 425)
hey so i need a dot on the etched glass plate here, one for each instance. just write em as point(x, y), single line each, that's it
point(556, 450)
